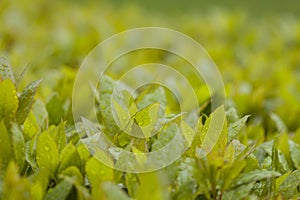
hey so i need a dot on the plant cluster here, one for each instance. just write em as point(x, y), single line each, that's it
point(44, 155)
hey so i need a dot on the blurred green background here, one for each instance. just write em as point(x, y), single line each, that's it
point(255, 44)
point(195, 6)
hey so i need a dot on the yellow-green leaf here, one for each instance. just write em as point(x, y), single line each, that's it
point(98, 172)
point(69, 157)
point(9, 100)
point(5, 147)
point(152, 186)
point(47, 153)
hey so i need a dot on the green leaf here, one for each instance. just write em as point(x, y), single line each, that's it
point(98, 172)
point(232, 115)
point(215, 137)
point(82, 192)
point(296, 137)
point(16, 187)
point(289, 185)
point(9, 101)
point(106, 87)
point(188, 133)
point(18, 145)
point(143, 117)
point(30, 153)
point(147, 119)
point(283, 145)
point(281, 160)
point(83, 153)
point(165, 137)
point(36, 191)
point(41, 114)
point(253, 176)
point(131, 184)
point(236, 127)
point(21, 76)
point(123, 116)
point(60, 191)
point(152, 186)
point(73, 172)
point(47, 153)
point(295, 153)
point(280, 125)
point(151, 96)
point(30, 127)
point(26, 100)
point(40, 177)
point(69, 157)
point(241, 162)
point(55, 109)
point(113, 192)
point(110, 191)
point(6, 151)
point(59, 135)
point(6, 71)
point(186, 179)
point(241, 192)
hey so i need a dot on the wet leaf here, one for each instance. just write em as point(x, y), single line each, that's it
point(60, 191)
point(9, 101)
point(110, 191)
point(6, 70)
point(97, 172)
point(254, 176)
point(6, 151)
point(288, 187)
point(236, 127)
point(69, 157)
point(18, 145)
point(26, 100)
point(47, 153)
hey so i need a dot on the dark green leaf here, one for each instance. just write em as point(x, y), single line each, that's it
point(240, 192)
point(295, 153)
point(254, 176)
point(131, 184)
point(26, 100)
point(289, 185)
point(55, 109)
point(18, 145)
point(151, 96)
point(110, 191)
point(105, 105)
point(236, 127)
point(60, 191)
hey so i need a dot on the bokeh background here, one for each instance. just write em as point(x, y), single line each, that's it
point(255, 44)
